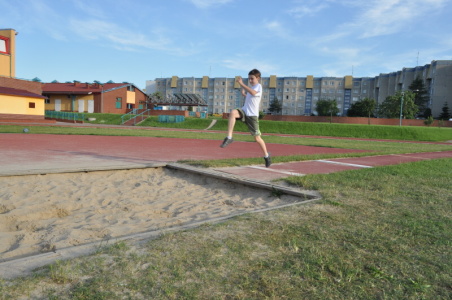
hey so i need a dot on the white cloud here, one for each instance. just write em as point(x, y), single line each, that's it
point(39, 14)
point(90, 8)
point(307, 10)
point(128, 40)
point(244, 65)
point(276, 28)
point(209, 3)
point(385, 17)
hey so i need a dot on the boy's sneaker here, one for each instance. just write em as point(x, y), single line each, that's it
point(226, 142)
point(268, 161)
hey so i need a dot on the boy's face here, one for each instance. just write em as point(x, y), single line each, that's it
point(253, 80)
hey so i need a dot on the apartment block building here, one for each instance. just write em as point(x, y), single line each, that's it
point(299, 95)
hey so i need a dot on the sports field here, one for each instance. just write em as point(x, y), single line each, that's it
point(381, 232)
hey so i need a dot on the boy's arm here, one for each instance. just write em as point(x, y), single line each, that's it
point(245, 87)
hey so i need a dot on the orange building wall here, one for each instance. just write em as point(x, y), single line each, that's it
point(109, 101)
point(21, 105)
point(8, 61)
point(66, 103)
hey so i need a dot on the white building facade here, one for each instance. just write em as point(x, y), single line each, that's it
point(299, 95)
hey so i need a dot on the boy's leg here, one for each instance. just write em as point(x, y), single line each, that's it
point(233, 115)
point(231, 121)
point(267, 157)
point(261, 143)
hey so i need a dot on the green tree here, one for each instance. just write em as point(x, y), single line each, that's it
point(421, 94)
point(157, 96)
point(154, 99)
point(327, 108)
point(362, 108)
point(390, 108)
point(36, 79)
point(445, 114)
point(429, 120)
point(427, 113)
point(275, 106)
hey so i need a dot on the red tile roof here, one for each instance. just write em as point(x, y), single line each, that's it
point(79, 88)
point(16, 92)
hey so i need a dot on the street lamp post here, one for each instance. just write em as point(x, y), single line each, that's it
point(401, 109)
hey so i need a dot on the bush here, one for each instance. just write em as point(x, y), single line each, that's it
point(429, 120)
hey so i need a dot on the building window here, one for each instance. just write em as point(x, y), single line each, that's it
point(119, 102)
point(131, 88)
point(47, 101)
point(31, 105)
point(4, 45)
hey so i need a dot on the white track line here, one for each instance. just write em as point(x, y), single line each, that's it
point(343, 164)
point(277, 171)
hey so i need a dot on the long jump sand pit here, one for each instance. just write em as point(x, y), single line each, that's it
point(45, 213)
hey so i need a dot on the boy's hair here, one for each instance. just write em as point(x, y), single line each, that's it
point(255, 72)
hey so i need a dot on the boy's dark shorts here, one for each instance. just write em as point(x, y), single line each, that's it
point(252, 122)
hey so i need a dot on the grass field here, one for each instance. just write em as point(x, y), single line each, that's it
point(380, 233)
point(414, 133)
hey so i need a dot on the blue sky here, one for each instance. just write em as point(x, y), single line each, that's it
point(139, 40)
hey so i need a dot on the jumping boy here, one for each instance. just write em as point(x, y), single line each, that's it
point(249, 113)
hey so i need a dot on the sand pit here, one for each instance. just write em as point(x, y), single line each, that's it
point(44, 213)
